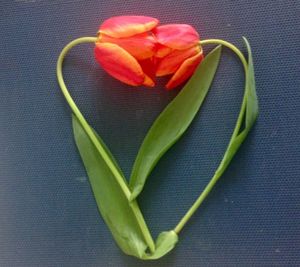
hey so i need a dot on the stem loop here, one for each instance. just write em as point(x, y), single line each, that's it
point(224, 163)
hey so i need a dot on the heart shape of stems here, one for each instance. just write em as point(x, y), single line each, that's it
point(116, 199)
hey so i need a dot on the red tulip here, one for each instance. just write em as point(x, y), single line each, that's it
point(134, 50)
point(178, 53)
point(126, 47)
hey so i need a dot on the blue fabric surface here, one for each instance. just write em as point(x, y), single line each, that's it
point(48, 213)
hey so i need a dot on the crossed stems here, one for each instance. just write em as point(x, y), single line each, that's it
point(134, 205)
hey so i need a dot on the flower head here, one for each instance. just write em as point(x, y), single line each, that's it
point(134, 49)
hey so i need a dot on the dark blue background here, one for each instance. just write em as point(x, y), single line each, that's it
point(48, 216)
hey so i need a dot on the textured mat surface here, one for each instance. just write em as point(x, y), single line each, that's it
point(48, 214)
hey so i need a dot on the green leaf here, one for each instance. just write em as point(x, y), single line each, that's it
point(252, 102)
point(113, 205)
point(112, 202)
point(173, 121)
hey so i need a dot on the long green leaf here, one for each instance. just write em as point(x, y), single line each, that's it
point(173, 121)
point(112, 203)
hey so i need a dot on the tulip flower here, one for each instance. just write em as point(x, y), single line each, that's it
point(125, 49)
point(178, 53)
point(134, 49)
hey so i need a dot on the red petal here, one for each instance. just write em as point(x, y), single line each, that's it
point(125, 26)
point(176, 36)
point(141, 46)
point(149, 66)
point(119, 63)
point(185, 71)
point(172, 62)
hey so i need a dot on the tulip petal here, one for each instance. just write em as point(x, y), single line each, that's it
point(176, 36)
point(125, 26)
point(140, 46)
point(149, 66)
point(148, 81)
point(119, 63)
point(162, 50)
point(185, 71)
point(172, 62)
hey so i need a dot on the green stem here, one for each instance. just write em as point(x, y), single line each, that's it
point(142, 224)
point(79, 115)
point(93, 138)
point(224, 163)
point(230, 46)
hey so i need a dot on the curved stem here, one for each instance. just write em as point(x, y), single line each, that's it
point(224, 162)
point(79, 115)
point(93, 138)
point(230, 46)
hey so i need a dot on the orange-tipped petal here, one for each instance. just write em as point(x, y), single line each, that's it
point(119, 63)
point(162, 50)
point(141, 46)
point(176, 36)
point(172, 62)
point(125, 26)
point(185, 71)
point(148, 81)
